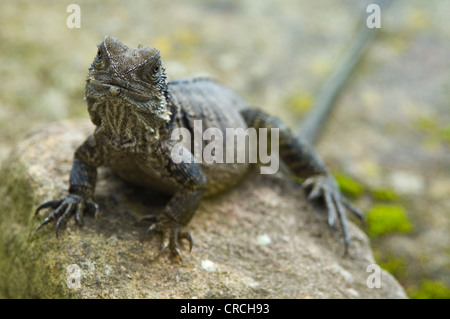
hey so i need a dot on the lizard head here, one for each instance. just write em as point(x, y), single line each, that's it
point(133, 78)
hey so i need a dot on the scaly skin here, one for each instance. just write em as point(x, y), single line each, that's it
point(135, 110)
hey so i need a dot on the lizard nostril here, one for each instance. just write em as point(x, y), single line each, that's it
point(114, 90)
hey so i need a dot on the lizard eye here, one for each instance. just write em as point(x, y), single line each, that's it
point(156, 70)
point(99, 63)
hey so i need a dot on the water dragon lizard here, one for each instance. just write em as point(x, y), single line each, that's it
point(135, 108)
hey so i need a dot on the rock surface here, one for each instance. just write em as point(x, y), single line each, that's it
point(258, 240)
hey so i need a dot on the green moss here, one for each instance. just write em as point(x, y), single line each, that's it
point(24, 271)
point(431, 290)
point(383, 219)
point(395, 266)
point(426, 124)
point(436, 132)
point(445, 134)
point(348, 185)
point(300, 103)
point(384, 194)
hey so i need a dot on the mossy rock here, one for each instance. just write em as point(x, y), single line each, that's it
point(385, 194)
point(348, 185)
point(383, 219)
point(431, 290)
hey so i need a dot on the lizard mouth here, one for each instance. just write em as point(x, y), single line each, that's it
point(115, 89)
point(123, 142)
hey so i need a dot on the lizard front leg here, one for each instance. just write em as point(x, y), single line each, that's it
point(305, 163)
point(83, 177)
point(183, 204)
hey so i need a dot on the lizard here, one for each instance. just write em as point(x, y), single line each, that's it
point(134, 108)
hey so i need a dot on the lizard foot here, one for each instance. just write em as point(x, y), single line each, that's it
point(172, 235)
point(64, 208)
point(326, 187)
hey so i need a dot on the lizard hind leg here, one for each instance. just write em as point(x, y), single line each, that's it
point(301, 159)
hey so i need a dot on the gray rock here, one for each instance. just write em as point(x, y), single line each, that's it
point(111, 257)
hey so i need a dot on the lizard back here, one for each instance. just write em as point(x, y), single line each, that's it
point(200, 99)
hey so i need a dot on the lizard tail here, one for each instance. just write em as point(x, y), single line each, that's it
point(312, 125)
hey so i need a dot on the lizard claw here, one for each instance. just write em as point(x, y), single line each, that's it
point(188, 237)
point(326, 187)
point(171, 235)
point(355, 210)
point(51, 203)
point(64, 209)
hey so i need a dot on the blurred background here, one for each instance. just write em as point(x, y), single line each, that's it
point(388, 141)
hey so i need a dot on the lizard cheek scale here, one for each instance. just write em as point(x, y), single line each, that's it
point(135, 110)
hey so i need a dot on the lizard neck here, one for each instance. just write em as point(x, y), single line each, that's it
point(125, 126)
